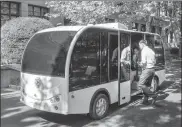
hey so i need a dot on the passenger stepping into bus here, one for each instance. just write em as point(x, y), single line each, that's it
point(147, 63)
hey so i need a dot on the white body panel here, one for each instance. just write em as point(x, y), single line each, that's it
point(114, 25)
point(125, 92)
point(82, 98)
point(161, 76)
point(80, 103)
point(39, 96)
point(62, 28)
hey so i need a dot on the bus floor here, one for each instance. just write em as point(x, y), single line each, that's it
point(135, 92)
point(135, 89)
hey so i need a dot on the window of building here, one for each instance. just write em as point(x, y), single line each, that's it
point(37, 11)
point(9, 10)
point(67, 21)
point(143, 27)
point(135, 26)
point(153, 29)
point(109, 20)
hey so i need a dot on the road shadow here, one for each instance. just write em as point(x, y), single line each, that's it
point(162, 114)
point(67, 120)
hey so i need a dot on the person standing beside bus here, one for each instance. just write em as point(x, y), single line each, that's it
point(148, 64)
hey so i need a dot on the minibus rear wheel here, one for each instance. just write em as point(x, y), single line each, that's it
point(99, 107)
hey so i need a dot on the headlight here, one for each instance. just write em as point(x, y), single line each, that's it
point(55, 99)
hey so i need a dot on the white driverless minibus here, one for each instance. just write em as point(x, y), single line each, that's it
point(77, 69)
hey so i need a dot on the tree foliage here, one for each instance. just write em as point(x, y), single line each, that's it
point(84, 12)
point(126, 12)
point(15, 35)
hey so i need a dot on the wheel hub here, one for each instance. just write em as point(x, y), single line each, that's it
point(101, 106)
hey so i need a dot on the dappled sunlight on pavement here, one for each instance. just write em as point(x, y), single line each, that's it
point(16, 111)
point(10, 95)
point(164, 119)
point(175, 98)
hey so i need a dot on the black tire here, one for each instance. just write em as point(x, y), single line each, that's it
point(155, 84)
point(93, 114)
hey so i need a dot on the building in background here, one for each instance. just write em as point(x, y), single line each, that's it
point(26, 8)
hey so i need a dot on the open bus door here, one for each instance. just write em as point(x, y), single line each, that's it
point(124, 86)
point(117, 74)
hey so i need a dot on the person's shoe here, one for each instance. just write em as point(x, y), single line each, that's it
point(153, 95)
point(145, 101)
point(154, 99)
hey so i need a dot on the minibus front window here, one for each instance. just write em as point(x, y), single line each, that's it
point(46, 53)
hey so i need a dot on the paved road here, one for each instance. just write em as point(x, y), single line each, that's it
point(166, 113)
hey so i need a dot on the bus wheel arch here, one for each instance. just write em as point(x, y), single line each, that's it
point(99, 94)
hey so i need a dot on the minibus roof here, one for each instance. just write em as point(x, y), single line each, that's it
point(109, 26)
point(62, 28)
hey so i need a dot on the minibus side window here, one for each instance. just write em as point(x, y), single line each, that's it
point(125, 56)
point(104, 57)
point(159, 52)
point(85, 61)
point(113, 57)
point(135, 55)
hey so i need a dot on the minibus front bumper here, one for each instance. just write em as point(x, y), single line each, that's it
point(48, 105)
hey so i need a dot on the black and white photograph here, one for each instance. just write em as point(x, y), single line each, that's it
point(91, 63)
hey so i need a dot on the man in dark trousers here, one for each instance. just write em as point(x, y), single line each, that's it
point(147, 63)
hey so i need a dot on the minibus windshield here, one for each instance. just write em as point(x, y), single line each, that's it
point(46, 53)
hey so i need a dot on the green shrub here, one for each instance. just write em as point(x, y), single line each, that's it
point(15, 35)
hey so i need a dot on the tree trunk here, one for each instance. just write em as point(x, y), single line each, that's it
point(180, 48)
point(148, 23)
point(180, 43)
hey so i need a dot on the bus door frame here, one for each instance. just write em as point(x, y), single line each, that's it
point(124, 88)
point(109, 62)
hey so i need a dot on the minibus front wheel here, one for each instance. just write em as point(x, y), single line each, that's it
point(99, 107)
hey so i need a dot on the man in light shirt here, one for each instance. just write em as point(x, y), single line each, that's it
point(148, 64)
point(125, 55)
point(125, 62)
